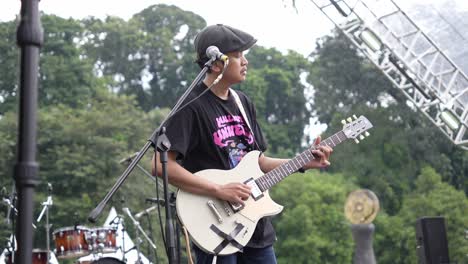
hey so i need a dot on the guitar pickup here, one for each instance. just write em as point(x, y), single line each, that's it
point(255, 192)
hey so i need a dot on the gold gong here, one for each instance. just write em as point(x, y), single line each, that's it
point(361, 206)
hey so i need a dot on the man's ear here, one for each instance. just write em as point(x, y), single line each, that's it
point(217, 67)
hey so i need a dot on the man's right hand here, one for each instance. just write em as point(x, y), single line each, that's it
point(233, 192)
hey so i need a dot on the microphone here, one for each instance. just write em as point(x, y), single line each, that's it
point(145, 212)
point(212, 52)
point(129, 158)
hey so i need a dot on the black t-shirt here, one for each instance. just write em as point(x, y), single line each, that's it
point(210, 133)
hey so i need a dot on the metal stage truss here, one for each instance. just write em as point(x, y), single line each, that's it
point(410, 58)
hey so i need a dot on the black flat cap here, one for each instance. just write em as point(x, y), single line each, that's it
point(226, 38)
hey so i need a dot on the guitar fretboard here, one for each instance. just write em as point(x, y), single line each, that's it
point(276, 175)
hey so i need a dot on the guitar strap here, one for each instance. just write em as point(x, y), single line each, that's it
point(228, 238)
point(244, 115)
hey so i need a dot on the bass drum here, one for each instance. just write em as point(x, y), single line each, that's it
point(108, 260)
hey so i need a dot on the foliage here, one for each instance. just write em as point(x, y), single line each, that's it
point(78, 153)
point(402, 140)
point(8, 67)
point(341, 78)
point(150, 56)
point(312, 227)
point(431, 197)
point(105, 85)
point(277, 90)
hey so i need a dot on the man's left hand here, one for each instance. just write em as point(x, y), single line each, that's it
point(321, 154)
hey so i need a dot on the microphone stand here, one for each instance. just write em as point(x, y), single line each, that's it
point(162, 147)
point(177, 228)
point(160, 143)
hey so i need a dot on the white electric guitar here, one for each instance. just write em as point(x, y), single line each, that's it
point(221, 228)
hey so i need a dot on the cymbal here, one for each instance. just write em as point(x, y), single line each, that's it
point(361, 206)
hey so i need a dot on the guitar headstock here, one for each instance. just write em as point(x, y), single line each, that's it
point(357, 128)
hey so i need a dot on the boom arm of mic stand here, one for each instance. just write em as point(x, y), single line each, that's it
point(151, 142)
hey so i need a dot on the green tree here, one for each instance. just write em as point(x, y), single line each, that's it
point(9, 67)
point(150, 56)
point(312, 227)
point(431, 197)
point(8, 138)
point(343, 79)
point(402, 141)
point(279, 95)
point(66, 75)
point(78, 153)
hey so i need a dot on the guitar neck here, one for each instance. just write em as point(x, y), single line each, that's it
point(276, 175)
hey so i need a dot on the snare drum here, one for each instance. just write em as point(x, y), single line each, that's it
point(38, 257)
point(71, 242)
point(104, 239)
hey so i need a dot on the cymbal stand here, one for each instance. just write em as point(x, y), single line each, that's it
point(45, 210)
point(9, 201)
point(139, 230)
point(151, 177)
point(117, 221)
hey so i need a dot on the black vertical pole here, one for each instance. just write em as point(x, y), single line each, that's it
point(163, 145)
point(29, 38)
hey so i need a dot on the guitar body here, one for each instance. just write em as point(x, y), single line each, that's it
point(198, 213)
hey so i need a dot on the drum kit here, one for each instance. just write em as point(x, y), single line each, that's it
point(79, 241)
point(75, 242)
point(95, 245)
point(71, 242)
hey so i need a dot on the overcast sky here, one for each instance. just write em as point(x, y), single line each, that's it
point(275, 23)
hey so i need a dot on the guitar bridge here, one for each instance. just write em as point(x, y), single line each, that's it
point(215, 211)
point(236, 207)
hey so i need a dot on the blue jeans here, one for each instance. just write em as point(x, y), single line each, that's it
point(250, 255)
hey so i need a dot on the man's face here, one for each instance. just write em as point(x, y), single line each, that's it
point(236, 71)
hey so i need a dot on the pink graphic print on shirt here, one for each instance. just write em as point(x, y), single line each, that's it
point(232, 136)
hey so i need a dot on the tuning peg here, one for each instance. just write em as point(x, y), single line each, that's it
point(354, 116)
point(367, 134)
point(343, 122)
point(361, 137)
point(349, 119)
point(356, 140)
